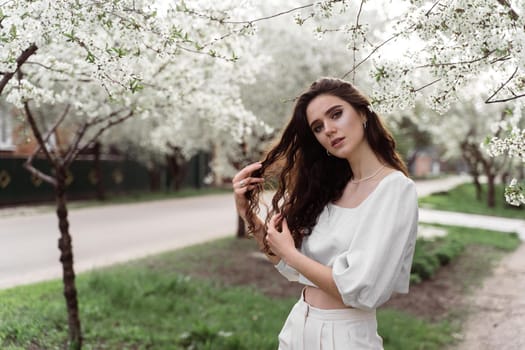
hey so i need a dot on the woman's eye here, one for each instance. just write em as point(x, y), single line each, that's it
point(336, 115)
point(317, 128)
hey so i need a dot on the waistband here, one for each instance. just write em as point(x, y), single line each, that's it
point(347, 314)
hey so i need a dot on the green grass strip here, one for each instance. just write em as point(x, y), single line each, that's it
point(463, 199)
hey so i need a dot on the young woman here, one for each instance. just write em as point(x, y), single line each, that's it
point(343, 220)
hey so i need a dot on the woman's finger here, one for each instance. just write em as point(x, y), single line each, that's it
point(248, 181)
point(249, 185)
point(285, 225)
point(246, 171)
point(271, 223)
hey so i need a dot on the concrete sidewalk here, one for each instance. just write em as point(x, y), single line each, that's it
point(494, 223)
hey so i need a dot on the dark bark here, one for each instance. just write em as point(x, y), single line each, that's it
point(101, 192)
point(491, 191)
point(469, 155)
point(154, 178)
point(178, 168)
point(477, 186)
point(24, 56)
point(64, 243)
point(66, 258)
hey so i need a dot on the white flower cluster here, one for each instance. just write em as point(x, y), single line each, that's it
point(512, 142)
point(512, 145)
point(515, 193)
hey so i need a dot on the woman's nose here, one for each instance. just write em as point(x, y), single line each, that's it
point(329, 129)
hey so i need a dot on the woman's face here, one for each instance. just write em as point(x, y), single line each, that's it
point(336, 125)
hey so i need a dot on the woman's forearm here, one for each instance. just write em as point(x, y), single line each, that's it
point(315, 272)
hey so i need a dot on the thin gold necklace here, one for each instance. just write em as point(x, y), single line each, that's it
point(368, 177)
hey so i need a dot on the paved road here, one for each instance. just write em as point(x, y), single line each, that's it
point(109, 234)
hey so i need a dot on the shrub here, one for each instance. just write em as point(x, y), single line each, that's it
point(431, 254)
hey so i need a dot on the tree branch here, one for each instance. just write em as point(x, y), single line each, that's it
point(41, 146)
point(72, 155)
point(28, 163)
point(371, 53)
point(68, 157)
point(474, 60)
point(512, 14)
point(37, 133)
point(354, 51)
point(250, 22)
point(99, 120)
point(515, 97)
point(432, 8)
point(47, 178)
point(51, 68)
point(51, 131)
point(81, 131)
point(19, 62)
point(426, 85)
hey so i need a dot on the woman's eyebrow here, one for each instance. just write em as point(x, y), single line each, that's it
point(327, 112)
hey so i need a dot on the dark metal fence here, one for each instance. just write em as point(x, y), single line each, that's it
point(18, 186)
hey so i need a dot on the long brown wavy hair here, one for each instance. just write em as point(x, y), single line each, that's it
point(307, 178)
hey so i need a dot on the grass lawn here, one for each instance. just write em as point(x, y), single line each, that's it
point(463, 199)
point(220, 295)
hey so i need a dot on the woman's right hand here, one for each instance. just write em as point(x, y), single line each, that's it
point(242, 182)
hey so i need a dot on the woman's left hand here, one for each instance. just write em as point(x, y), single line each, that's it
point(281, 243)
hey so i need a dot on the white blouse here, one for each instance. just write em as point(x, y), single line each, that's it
point(369, 247)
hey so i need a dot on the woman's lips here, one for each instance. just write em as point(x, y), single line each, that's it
point(337, 142)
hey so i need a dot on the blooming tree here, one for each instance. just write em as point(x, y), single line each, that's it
point(89, 66)
point(462, 132)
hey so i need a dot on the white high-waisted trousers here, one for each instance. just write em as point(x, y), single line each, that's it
point(310, 328)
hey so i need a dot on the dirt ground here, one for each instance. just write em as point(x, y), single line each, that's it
point(442, 296)
point(497, 309)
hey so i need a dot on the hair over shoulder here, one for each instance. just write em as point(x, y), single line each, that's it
point(307, 179)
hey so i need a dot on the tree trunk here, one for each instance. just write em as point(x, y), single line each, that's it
point(477, 185)
point(491, 190)
point(241, 228)
point(154, 178)
point(177, 167)
point(66, 258)
point(101, 193)
point(470, 155)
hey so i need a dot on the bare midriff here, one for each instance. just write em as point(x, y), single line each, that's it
point(320, 299)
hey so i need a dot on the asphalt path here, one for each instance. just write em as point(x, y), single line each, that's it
point(105, 235)
point(109, 234)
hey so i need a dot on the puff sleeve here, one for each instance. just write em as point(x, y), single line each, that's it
point(379, 258)
point(289, 272)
